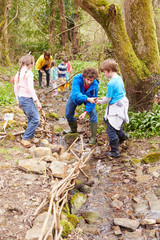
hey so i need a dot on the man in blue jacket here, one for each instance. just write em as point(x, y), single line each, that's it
point(84, 90)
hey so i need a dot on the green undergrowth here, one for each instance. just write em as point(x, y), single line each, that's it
point(144, 124)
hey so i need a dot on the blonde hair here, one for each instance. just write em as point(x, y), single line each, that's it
point(53, 63)
point(109, 65)
point(26, 60)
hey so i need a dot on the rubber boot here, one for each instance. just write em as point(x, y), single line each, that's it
point(114, 149)
point(125, 137)
point(122, 135)
point(73, 126)
point(93, 126)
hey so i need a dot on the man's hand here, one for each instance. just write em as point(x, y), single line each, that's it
point(82, 116)
point(91, 100)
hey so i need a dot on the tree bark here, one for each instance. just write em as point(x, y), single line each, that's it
point(135, 72)
point(141, 30)
point(63, 24)
point(156, 8)
point(4, 53)
point(75, 39)
point(53, 6)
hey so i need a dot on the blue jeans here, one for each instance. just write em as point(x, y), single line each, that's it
point(114, 134)
point(29, 108)
point(47, 76)
point(70, 111)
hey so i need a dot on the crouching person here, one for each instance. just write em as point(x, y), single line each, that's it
point(84, 90)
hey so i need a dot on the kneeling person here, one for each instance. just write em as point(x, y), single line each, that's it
point(84, 90)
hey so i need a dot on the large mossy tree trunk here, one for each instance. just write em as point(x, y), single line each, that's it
point(135, 70)
point(4, 52)
point(63, 23)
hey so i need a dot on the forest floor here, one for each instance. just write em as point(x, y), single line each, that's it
point(21, 193)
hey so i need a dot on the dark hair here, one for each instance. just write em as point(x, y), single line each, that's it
point(90, 73)
point(65, 59)
point(47, 53)
point(109, 65)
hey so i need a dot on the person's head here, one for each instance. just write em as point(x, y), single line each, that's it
point(47, 55)
point(27, 60)
point(108, 67)
point(53, 63)
point(89, 75)
point(64, 59)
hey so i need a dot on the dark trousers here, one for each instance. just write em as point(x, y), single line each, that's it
point(114, 134)
point(47, 76)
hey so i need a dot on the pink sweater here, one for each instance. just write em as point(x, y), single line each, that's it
point(25, 86)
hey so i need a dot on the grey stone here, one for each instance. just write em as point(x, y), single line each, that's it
point(128, 223)
point(58, 169)
point(32, 165)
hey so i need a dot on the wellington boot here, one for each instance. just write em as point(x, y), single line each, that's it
point(93, 126)
point(121, 140)
point(26, 143)
point(115, 154)
point(114, 149)
point(73, 127)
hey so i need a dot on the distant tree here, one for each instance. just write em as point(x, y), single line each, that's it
point(4, 11)
point(134, 43)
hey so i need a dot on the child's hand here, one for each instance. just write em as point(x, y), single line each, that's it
point(91, 100)
point(39, 105)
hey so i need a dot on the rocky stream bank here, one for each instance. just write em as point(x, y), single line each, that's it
point(110, 199)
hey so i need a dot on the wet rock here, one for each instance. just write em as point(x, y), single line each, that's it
point(117, 204)
point(76, 202)
point(38, 152)
point(49, 158)
point(142, 178)
point(67, 227)
point(117, 230)
point(58, 129)
point(58, 169)
point(151, 157)
point(153, 171)
point(140, 209)
point(32, 165)
point(136, 235)
point(57, 148)
point(136, 162)
point(154, 205)
point(151, 233)
point(148, 221)
point(35, 231)
point(44, 143)
point(128, 223)
point(65, 156)
point(92, 218)
point(151, 196)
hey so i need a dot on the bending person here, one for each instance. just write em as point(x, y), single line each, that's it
point(84, 90)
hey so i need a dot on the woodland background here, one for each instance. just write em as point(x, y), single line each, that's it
point(86, 30)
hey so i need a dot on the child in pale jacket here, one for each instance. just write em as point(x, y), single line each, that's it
point(26, 97)
point(117, 108)
point(54, 76)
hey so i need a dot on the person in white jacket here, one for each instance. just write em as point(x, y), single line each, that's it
point(117, 106)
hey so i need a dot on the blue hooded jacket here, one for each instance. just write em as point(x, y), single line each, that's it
point(78, 94)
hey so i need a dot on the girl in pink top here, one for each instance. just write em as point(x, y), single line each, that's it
point(26, 97)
